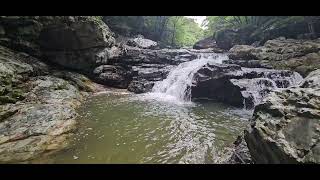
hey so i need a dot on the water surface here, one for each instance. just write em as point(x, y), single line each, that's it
point(118, 127)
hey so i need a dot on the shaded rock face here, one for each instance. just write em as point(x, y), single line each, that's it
point(21, 33)
point(297, 55)
point(82, 45)
point(227, 38)
point(237, 86)
point(285, 127)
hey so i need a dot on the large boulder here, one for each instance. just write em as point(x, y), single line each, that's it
point(238, 86)
point(206, 43)
point(81, 45)
point(141, 42)
point(285, 127)
point(227, 38)
point(76, 36)
point(297, 55)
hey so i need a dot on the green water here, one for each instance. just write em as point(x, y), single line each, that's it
point(127, 128)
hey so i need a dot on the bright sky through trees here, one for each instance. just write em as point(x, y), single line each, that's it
point(198, 19)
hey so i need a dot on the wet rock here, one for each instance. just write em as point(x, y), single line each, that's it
point(237, 153)
point(140, 86)
point(237, 86)
point(285, 127)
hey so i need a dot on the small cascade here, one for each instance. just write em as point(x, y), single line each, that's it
point(177, 86)
point(259, 88)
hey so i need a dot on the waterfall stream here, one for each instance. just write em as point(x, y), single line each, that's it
point(176, 87)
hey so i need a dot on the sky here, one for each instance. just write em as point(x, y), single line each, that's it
point(198, 19)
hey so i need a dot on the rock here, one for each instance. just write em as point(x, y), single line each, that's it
point(2, 31)
point(80, 81)
point(15, 69)
point(296, 55)
point(237, 153)
point(237, 86)
point(135, 55)
point(141, 42)
point(140, 86)
point(145, 75)
point(206, 43)
point(250, 63)
point(76, 36)
point(226, 39)
point(115, 76)
point(152, 72)
point(42, 122)
point(285, 127)
point(82, 45)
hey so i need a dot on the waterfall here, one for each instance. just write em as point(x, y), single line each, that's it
point(177, 86)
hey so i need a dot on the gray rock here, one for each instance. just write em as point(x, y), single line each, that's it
point(141, 42)
point(297, 55)
point(42, 122)
point(115, 76)
point(206, 43)
point(285, 127)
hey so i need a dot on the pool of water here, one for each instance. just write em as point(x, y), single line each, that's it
point(119, 127)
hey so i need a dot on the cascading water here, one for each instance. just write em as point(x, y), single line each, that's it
point(177, 86)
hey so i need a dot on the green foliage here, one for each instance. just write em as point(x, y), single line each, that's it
point(260, 24)
point(168, 30)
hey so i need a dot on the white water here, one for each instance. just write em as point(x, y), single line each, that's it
point(176, 88)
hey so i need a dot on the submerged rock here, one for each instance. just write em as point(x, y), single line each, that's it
point(285, 126)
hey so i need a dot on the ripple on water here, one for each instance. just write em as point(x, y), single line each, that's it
point(128, 128)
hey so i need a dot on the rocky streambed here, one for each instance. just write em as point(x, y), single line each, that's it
point(50, 65)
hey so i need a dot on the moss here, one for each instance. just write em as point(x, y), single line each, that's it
point(7, 99)
point(4, 114)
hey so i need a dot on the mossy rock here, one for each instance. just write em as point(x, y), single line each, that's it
point(6, 113)
point(7, 99)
